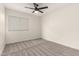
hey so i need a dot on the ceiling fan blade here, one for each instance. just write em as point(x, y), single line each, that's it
point(29, 7)
point(33, 11)
point(40, 11)
point(43, 7)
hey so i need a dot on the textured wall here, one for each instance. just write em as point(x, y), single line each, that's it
point(33, 31)
point(62, 26)
point(2, 28)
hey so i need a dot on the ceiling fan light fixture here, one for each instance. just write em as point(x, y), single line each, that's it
point(36, 12)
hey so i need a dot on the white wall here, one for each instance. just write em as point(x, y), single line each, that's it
point(2, 28)
point(62, 26)
point(33, 30)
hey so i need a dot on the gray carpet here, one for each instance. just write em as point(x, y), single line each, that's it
point(38, 47)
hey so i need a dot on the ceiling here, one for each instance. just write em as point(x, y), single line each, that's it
point(21, 7)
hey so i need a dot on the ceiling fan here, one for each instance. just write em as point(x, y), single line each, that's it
point(36, 8)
